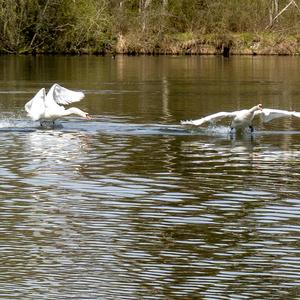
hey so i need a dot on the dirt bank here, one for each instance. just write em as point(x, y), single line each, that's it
point(229, 44)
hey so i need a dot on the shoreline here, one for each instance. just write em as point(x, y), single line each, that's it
point(187, 44)
point(217, 44)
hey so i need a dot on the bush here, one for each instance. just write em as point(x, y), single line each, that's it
point(89, 26)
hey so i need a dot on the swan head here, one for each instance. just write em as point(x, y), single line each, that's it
point(259, 107)
point(88, 116)
point(85, 115)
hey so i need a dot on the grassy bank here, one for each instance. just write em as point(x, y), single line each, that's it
point(150, 26)
point(214, 44)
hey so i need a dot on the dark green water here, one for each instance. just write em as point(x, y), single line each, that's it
point(133, 206)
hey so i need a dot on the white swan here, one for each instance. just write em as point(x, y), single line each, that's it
point(49, 107)
point(242, 119)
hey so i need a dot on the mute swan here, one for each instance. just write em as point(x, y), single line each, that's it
point(49, 107)
point(242, 119)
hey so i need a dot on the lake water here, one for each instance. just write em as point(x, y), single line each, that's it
point(131, 205)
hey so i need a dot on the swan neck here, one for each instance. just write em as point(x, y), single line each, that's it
point(74, 111)
point(254, 109)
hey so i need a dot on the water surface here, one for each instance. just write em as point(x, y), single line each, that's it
point(131, 205)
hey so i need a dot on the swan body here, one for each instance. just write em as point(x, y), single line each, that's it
point(49, 107)
point(242, 119)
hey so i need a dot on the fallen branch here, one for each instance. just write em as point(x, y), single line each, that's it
point(281, 12)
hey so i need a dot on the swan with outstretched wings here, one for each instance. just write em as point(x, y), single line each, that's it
point(50, 106)
point(242, 119)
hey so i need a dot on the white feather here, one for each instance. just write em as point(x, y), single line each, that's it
point(211, 118)
point(64, 96)
point(35, 108)
point(50, 106)
point(243, 118)
point(268, 114)
point(296, 114)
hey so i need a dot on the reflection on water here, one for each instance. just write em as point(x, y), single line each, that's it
point(124, 207)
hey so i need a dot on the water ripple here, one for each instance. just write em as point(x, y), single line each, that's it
point(90, 214)
point(132, 205)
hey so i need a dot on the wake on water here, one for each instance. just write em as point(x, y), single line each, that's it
point(16, 125)
point(117, 127)
point(107, 126)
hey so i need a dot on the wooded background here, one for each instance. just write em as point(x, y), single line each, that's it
point(145, 26)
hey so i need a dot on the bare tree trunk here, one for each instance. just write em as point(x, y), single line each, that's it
point(273, 11)
point(144, 4)
point(164, 4)
point(276, 6)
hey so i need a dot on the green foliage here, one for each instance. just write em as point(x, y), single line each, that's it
point(94, 26)
point(70, 26)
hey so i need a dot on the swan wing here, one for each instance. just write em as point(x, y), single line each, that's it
point(296, 114)
point(35, 108)
point(64, 96)
point(211, 118)
point(268, 114)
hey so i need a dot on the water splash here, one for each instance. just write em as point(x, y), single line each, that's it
point(14, 124)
